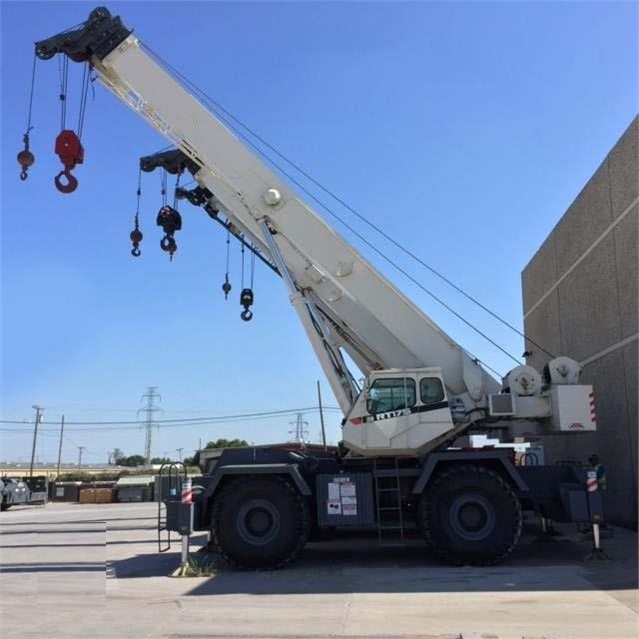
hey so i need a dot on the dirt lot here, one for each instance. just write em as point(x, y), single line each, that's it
point(71, 570)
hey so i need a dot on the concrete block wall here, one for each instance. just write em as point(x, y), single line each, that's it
point(580, 299)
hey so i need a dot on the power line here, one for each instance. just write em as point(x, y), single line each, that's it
point(188, 420)
point(71, 441)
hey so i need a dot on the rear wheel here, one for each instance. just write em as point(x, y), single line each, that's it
point(259, 522)
point(471, 515)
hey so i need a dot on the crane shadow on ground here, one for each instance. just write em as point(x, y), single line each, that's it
point(363, 566)
point(340, 565)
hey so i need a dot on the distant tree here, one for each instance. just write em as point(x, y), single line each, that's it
point(226, 443)
point(133, 460)
point(116, 457)
point(219, 443)
point(161, 460)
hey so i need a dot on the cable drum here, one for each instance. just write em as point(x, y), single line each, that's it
point(524, 381)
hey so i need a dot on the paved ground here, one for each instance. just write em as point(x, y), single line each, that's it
point(71, 570)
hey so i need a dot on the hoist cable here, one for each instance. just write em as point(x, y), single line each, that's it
point(163, 182)
point(84, 94)
point(35, 58)
point(381, 232)
point(63, 65)
point(82, 101)
point(252, 268)
point(175, 197)
point(139, 194)
point(77, 26)
point(376, 228)
point(228, 249)
point(206, 98)
point(372, 247)
point(376, 250)
point(227, 225)
point(242, 265)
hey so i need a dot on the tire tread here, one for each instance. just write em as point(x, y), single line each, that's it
point(470, 470)
point(303, 522)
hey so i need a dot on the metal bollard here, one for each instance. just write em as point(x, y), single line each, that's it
point(597, 551)
point(591, 481)
point(187, 491)
point(187, 500)
point(186, 526)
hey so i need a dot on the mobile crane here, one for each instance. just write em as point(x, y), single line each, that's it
point(407, 460)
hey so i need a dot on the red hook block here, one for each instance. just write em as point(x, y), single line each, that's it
point(71, 152)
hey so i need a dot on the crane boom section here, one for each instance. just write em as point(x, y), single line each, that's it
point(368, 316)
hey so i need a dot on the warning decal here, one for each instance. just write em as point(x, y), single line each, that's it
point(342, 497)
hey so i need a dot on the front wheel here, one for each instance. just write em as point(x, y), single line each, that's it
point(259, 522)
point(471, 515)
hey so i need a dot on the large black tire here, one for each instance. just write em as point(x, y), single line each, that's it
point(259, 522)
point(4, 506)
point(470, 515)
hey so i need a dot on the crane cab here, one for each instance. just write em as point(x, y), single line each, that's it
point(399, 413)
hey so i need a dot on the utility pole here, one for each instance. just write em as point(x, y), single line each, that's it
point(81, 449)
point(38, 410)
point(60, 447)
point(200, 446)
point(179, 452)
point(300, 431)
point(321, 412)
point(150, 409)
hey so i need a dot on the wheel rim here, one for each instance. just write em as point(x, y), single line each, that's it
point(258, 522)
point(472, 517)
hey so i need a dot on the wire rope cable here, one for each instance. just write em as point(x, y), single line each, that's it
point(219, 108)
point(33, 72)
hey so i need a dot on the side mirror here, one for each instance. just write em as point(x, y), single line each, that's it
point(371, 401)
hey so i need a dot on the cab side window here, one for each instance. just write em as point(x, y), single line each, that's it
point(391, 394)
point(431, 390)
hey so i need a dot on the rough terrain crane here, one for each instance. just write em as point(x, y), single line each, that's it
point(407, 461)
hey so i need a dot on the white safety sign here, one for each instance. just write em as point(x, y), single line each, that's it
point(342, 497)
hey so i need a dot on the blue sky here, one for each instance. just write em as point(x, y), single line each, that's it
point(464, 130)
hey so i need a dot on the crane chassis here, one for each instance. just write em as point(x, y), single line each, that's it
point(408, 463)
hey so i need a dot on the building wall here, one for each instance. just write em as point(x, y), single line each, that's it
point(580, 300)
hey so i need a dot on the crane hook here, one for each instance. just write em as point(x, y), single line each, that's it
point(168, 244)
point(136, 237)
point(69, 148)
point(246, 300)
point(70, 186)
point(25, 158)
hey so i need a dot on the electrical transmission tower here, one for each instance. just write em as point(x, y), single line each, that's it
point(300, 431)
point(150, 409)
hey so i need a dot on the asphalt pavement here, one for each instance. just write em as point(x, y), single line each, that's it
point(94, 570)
